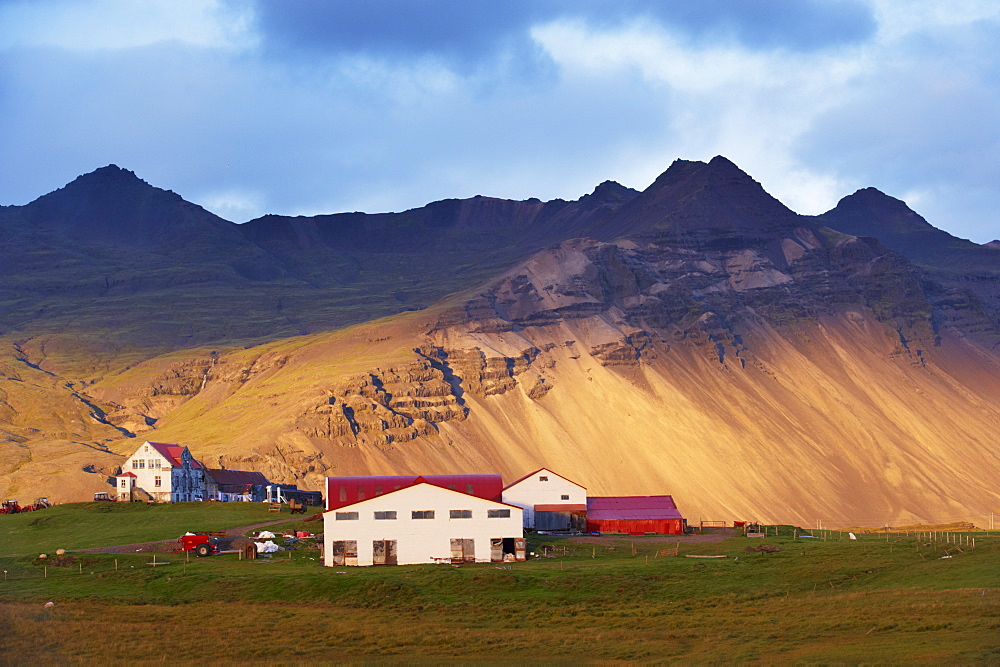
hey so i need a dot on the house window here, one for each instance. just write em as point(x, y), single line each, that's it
point(123, 483)
point(361, 494)
point(135, 464)
point(378, 490)
point(497, 514)
point(156, 463)
point(460, 514)
point(543, 478)
point(422, 514)
point(343, 494)
point(451, 486)
point(152, 464)
point(142, 463)
point(384, 516)
point(564, 497)
point(156, 481)
point(346, 516)
point(468, 489)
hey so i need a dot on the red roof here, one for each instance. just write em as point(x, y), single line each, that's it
point(631, 507)
point(172, 453)
point(127, 474)
point(343, 491)
point(222, 477)
point(518, 481)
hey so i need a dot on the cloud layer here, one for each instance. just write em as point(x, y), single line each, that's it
point(312, 107)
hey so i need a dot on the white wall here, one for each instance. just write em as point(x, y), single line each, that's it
point(146, 475)
point(420, 540)
point(543, 488)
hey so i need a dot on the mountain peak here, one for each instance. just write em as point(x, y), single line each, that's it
point(704, 202)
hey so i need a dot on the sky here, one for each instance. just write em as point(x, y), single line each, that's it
point(305, 107)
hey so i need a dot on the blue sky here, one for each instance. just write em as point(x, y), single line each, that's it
point(312, 107)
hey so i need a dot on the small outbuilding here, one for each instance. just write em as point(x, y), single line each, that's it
point(635, 515)
point(235, 485)
point(549, 500)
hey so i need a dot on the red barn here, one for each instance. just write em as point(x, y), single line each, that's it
point(635, 515)
point(343, 491)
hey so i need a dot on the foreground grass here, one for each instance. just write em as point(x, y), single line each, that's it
point(871, 600)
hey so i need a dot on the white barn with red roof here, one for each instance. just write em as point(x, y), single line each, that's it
point(549, 500)
point(167, 472)
point(411, 519)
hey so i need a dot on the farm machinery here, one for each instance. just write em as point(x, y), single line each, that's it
point(13, 507)
point(211, 543)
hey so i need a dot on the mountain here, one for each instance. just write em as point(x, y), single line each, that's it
point(697, 338)
point(110, 262)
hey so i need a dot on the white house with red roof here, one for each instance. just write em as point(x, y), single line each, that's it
point(404, 520)
point(168, 473)
point(549, 500)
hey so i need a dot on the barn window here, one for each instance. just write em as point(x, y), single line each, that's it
point(497, 514)
point(543, 478)
point(564, 497)
point(384, 516)
point(422, 514)
point(460, 514)
point(346, 516)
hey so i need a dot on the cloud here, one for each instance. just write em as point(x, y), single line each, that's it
point(121, 24)
point(309, 107)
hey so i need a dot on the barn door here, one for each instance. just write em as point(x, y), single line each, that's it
point(384, 552)
point(390, 552)
point(520, 548)
point(463, 550)
point(496, 550)
point(345, 552)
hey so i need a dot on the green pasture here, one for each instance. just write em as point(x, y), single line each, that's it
point(87, 525)
point(612, 598)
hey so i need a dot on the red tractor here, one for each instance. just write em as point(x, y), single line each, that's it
point(10, 507)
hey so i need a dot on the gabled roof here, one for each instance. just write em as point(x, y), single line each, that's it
point(172, 453)
point(438, 489)
point(532, 474)
point(631, 507)
point(224, 477)
point(343, 491)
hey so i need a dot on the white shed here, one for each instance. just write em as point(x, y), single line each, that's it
point(422, 523)
point(549, 501)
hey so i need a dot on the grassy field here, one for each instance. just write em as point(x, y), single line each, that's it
point(86, 525)
point(590, 599)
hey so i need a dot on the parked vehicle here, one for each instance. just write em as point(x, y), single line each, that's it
point(202, 544)
point(10, 507)
point(104, 497)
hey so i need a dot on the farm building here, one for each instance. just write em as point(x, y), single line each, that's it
point(634, 514)
point(549, 501)
point(342, 491)
point(165, 473)
point(283, 493)
point(235, 485)
point(419, 522)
